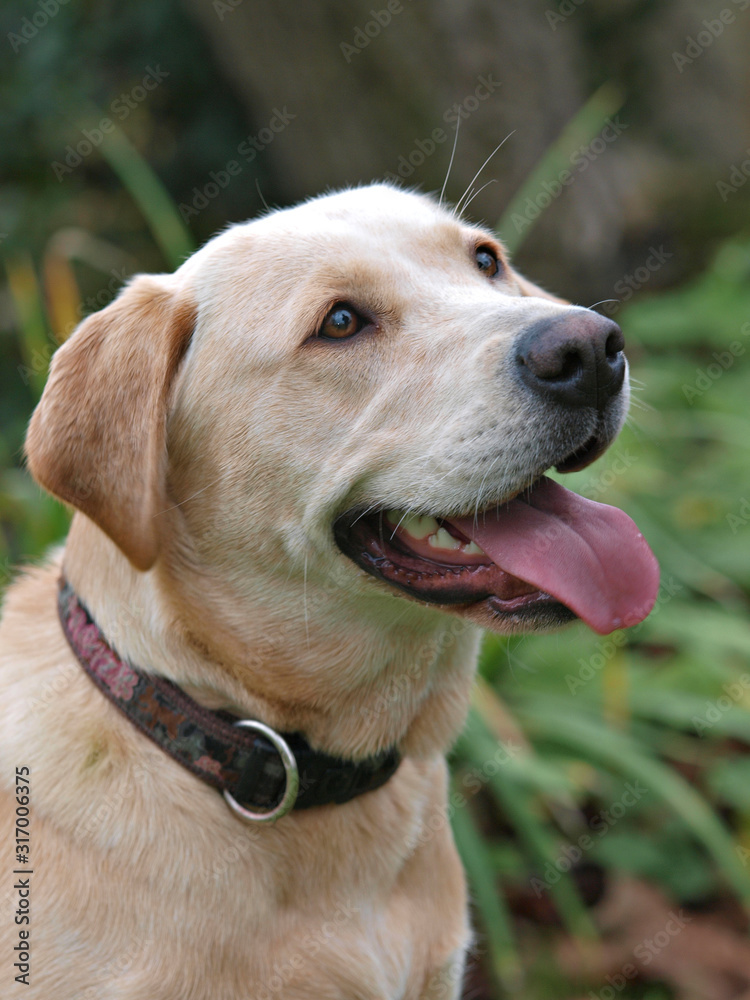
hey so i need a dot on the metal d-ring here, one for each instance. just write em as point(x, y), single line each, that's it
point(292, 777)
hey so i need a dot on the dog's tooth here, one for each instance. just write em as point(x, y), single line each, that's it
point(416, 525)
point(419, 525)
point(472, 549)
point(442, 539)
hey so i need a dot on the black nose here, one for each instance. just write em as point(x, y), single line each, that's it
point(575, 359)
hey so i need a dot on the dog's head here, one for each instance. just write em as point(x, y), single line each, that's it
point(359, 390)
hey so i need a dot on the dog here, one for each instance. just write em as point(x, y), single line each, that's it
point(307, 469)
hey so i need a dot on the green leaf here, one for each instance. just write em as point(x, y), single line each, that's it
point(580, 130)
point(729, 780)
point(477, 746)
point(150, 195)
point(595, 742)
point(483, 884)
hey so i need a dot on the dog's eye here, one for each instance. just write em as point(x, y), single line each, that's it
point(341, 322)
point(486, 261)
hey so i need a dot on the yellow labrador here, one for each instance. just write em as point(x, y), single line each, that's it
point(306, 468)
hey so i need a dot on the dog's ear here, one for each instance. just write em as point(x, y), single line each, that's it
point(97, 439)
point(529, 288)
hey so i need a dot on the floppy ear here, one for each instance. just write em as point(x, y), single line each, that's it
point(529, 288)
point(97, 439)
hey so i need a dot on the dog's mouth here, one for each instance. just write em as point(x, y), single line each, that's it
point(546, 554)
point(585, 455)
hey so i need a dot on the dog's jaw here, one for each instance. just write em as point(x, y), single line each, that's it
point(294, 665)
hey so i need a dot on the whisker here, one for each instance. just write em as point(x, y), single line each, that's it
point(469, 190)
point(601, 303)
point(479, 491)
point(467, 203)
point(260, 195)
point(453, 153)
point(437, 482)
point(641, 404)
point(514, 660)
point(458, 208)
point(406, 514)
point(364, 512)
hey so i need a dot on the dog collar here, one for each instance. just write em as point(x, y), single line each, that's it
point(263, 774)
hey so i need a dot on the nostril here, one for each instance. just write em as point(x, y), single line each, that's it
point(575, 359)
point(555, 362)
point(571, 366)
point(615, 343)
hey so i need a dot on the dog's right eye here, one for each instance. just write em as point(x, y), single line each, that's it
point(487, 261)
point(341, 322)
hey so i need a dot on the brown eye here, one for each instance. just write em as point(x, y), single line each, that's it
point(486, 261)
point(341, 322)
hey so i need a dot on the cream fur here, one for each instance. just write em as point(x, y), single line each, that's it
point(228, 581)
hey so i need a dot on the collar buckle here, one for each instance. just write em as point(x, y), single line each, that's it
point(291, 771)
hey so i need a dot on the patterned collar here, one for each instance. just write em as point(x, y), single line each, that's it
point(262, 774)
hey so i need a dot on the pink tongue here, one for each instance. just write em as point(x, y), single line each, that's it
point(590, 556)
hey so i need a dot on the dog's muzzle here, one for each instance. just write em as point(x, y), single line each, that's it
point(575, 359)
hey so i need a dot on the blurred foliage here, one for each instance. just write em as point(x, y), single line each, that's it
point(563, 726)
point(666, 703)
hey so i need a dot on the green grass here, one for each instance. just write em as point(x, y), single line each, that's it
point(670, 693)
point(586, 717)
